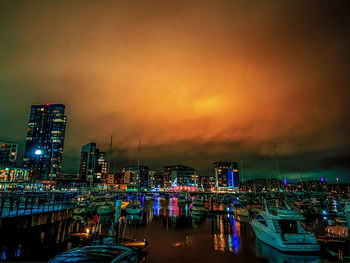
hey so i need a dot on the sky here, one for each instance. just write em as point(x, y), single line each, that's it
point(195, 81)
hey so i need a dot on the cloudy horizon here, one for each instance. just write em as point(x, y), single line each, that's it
point(196, 81)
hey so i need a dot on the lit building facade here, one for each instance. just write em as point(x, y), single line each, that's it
point(93, 165)
point(161, 180)
point(207, 182)
point(151, 179)
point(144, 177)
point(136, 177)
point(8, 154)
point(259, 185)
point(226, 174)
point(182, 176)
point(10, 174)
point(45, 140)
point(131, 176)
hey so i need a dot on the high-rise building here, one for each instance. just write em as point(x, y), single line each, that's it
point(45, 140)
point(182, 175)
point(8, 153)
point(226, 174)
point(144, 177)
point(131, 176)
point(93, 165)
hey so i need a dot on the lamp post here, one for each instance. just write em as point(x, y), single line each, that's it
point(37, 153)
point(338, 184)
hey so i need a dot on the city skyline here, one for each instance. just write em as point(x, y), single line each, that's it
point(197, 82)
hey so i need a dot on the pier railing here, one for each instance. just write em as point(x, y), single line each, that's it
point(27, 203)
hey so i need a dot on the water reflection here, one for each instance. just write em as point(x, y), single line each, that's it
point(274, 256)
point(173, 232)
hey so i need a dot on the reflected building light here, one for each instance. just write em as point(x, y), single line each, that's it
point(156, 207)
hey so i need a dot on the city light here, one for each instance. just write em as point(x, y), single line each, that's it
point(38, 152)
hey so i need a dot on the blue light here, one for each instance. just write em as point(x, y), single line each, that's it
point(325, 218)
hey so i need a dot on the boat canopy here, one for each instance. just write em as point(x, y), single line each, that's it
point(91, 254)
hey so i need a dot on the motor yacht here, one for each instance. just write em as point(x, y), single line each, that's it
point(280, 228)
point(347, 214)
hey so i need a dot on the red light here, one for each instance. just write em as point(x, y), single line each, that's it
point(47, 104)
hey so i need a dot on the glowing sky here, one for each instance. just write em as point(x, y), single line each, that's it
point(197, 81)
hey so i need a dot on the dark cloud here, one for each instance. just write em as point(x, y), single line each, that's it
point(197, 81)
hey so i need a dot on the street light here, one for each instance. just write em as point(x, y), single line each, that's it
point(38, 153)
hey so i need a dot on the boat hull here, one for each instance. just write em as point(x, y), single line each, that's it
point(275, 241)
point(133, 211)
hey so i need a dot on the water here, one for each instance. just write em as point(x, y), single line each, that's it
point(173, 235)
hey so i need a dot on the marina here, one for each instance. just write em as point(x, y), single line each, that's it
point(191, 231)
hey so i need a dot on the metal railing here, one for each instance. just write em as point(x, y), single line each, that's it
point(27, 203)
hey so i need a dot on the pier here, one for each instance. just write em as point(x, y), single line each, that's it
point(29, 203)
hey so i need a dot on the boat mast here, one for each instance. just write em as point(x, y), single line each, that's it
point(138, 162)
point(276, 168)
point(109, 156)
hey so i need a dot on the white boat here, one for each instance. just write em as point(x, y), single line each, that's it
point(133, 208)
point(283, 231)
point(347, 214)
point(105, 210)
point(80, 211)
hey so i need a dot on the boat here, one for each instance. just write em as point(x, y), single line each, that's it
point(280, 229)
point(98, 253)
point(133, 208)
point(347, 214)
point(105, 210)
point(78, 218)
point(80, 211)
point(198, 208)
point(274, 256)
point(124, 205)
point(241, 211)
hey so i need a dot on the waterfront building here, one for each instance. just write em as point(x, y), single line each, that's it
point(207, 182)
point(151, 181)
point(181, 176)
point(144, 177)
point(45, 140)
point(118, 178)
point(259, 185)
point(12, 174)
point(131, 177)
point(93, 165)
point(136, 176)
point(8, 154)
point(226, 174)
point(160, 180)
point(313, 185)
